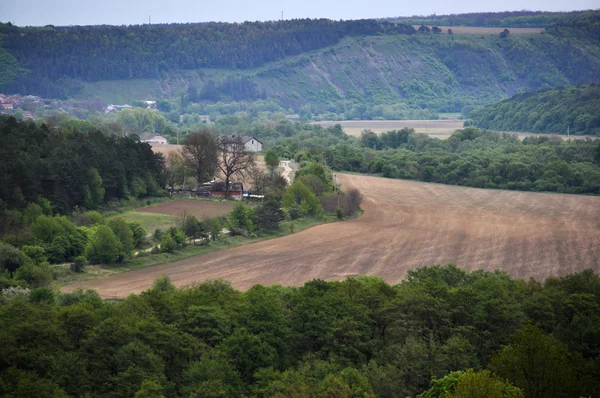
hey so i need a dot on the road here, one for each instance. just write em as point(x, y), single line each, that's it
point(406, 224)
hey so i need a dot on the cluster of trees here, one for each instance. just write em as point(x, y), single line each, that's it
point(42, 238)
point(572, 109)
point(71, 168)
point(441, 332)
point(470, 157)
point(145, 51)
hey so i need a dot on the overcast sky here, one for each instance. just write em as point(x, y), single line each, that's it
point(126, 12)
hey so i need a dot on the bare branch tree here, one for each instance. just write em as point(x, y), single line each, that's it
point(234, 159)
point(199, 153)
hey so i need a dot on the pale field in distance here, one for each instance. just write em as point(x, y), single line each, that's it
point(434, 128)
point(470, 30)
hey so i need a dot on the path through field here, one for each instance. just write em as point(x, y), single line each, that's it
point(406, 224)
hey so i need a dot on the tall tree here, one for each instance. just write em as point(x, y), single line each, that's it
point(234, 159)
point(272, 160)
point(200, 154)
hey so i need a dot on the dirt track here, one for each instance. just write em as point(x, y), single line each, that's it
point(405, 225)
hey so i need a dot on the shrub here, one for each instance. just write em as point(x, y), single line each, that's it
point(103, 246)
point(168, 244)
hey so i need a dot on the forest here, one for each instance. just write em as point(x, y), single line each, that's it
point(71, 168)
point(56, 56)
point(573, 109)
point(441, 332)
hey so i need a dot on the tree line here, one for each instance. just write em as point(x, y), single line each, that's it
point(563, 110)
point(54, 56)
point(470, 157)
point(510, 19)
point(442, 332)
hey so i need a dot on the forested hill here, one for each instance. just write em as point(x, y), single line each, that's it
point(94, 53)
point(507, 19)
point(551, 111)
point(350, 68)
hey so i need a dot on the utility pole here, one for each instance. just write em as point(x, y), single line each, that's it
point(567, 130)
point(149, 19)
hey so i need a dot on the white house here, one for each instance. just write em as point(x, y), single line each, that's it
point(152, 138)
point(251, 143)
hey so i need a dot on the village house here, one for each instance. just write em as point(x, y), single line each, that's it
point(152, 138)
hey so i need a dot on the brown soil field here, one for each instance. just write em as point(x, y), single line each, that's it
point(434, 128)
point(469, 30)
point(197, 208)
point(405, 225)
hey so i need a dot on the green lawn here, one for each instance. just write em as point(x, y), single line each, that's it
point(149, 221)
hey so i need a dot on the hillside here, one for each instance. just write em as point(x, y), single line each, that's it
point(551, 111)
point(353, 69)
point(508, 19)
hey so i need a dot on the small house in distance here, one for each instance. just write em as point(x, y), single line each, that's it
point(251, 143)
point(152, 138)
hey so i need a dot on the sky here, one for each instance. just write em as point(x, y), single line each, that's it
point(130, 12)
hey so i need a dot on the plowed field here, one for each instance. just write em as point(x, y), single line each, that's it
point(405, 225)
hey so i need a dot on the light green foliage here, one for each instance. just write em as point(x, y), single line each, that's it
point(32, 212)
point(272, 159)
point(35, 253)
point(300, 201)
point(471, 384)
point(177, 235)
point(124, 233)
point(241, 218)
point(168, 244)
point(215, 228)
point(103, 246)
point(139, 235)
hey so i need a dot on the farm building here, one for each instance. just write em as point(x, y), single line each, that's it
point(252, 144)
point(152, 138)
point(216, 189)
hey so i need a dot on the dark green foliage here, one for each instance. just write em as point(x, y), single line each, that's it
point(147, 51)
point(11, 258)
point(71, 169)
point(553, 111)
point(269, 213)
point(359, 337)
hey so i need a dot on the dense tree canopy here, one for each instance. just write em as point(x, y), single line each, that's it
point(552, 111)
point(70, 168)
point(478, 334)
point(55, 56)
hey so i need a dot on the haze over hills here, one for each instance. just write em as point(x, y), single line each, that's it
point(354, 69)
